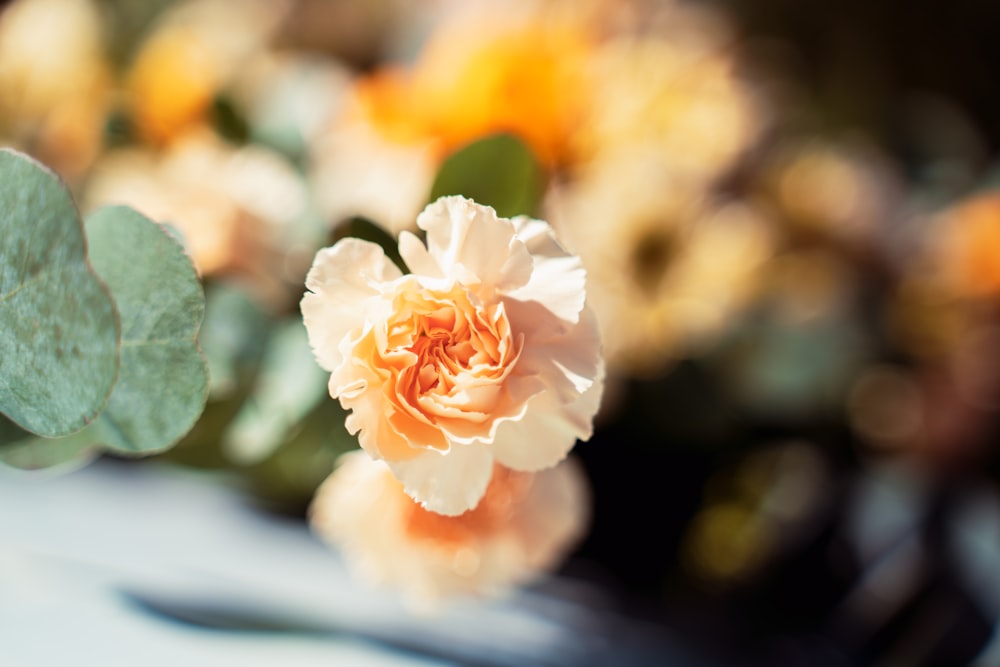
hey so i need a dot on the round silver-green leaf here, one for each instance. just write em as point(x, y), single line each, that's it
point(163, 381)
point(58, 328)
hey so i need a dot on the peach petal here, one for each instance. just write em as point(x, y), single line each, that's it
point(449, 483)
point(558, 280)
point(342, 279)
point(491, 255)
point(547, 432)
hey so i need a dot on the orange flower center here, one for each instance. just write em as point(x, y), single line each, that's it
point(443, 360)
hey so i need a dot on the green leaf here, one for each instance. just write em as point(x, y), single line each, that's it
point(499, 171)
point(163, 378)
point(232, 336)
point(163, 381)
point(366, 230)
point(21, 449)
point(289, 386)
point(58, 329)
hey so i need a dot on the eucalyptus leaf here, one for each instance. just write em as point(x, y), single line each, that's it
point(58, 328)
point(163, 378)
point(163, 381)
point(20, 449)
point(499, 171)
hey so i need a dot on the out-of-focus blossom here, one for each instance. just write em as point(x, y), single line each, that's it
point(845, 190)
point(196, 48)
point(496, 71)
point(54, 82)
point(525, 524)
point(668, 266)
point(378, 161)
point(678, 94)
point(482, 72)
point(484, 353)
point(233, 206)
point(950, 275)
point(965, 242)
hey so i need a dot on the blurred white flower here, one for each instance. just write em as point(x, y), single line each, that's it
point(668, 266)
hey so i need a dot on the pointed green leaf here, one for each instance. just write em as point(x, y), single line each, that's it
point(58, 330)
point(499, 171)
point(163, 381)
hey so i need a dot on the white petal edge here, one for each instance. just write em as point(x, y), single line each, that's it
point(474, 246)
point(448, 483)
point(558, 280)
point(548, 430)
point(342, 278)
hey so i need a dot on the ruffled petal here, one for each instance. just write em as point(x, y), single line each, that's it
point(491, 257)
point(565, 357)
point(558, 279)
point(566, 361)
point(548, 430)
point(343, 278)
point(448, 483)
point(418, 259)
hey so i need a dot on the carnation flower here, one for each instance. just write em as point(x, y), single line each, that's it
point(524, 525)
point(484, 353)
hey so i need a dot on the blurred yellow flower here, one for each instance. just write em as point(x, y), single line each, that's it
point(682, 98)
point(54, 82)
point(524, 525)
point(668, 266)
point(195, 49)
point(485, 352)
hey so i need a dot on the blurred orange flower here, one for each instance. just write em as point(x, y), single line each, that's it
point(195, 49)
point(968, 245)
point(484, 74)
point(525, 524)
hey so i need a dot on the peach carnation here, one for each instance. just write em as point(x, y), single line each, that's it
point(524, 525)
point(484, 353)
